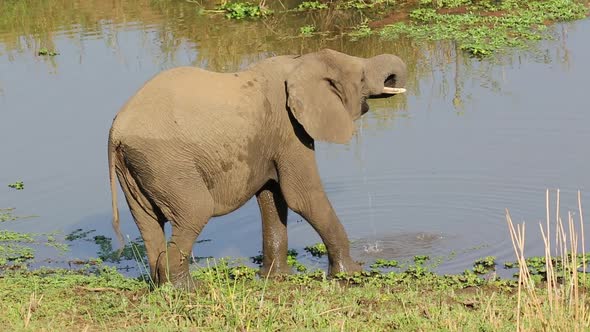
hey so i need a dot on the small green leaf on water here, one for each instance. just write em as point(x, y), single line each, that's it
point(45, 51)
point(420, 259)
point(484, 265)
point(292, 261)
point(384, 263)
point(18, 185)
point(241, 10)
point(317, 250)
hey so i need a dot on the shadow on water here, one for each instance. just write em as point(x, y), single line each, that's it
point(430, 173)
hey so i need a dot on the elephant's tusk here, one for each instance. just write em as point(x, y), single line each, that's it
point(393, 90)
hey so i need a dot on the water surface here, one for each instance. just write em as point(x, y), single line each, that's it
point(430, 173)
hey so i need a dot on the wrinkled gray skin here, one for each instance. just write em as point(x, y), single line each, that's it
point(194, 144)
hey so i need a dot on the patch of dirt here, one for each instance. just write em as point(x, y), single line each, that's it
point(453, 11)
point(394, 17)
point(464, 10)
point(496, 14)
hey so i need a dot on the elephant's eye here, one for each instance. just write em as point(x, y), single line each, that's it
point(334, 87)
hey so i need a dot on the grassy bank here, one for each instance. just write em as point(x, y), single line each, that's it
point(548, 293)
point(482, 27)
point(231, 298)
point(479, 27)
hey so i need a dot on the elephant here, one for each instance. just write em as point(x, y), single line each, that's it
point(193, 144)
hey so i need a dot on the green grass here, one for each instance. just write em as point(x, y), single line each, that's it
point(231, 297)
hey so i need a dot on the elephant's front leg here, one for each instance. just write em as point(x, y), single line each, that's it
point(301, 185)
point(273, 211)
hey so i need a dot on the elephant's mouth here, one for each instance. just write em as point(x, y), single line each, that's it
point(389, 88)
point(364, 107)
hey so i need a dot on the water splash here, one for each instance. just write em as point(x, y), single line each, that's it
point(372, 248)
point(369, 193)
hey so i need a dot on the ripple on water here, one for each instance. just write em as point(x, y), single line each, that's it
point(461, 216)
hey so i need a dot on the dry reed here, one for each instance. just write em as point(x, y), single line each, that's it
point(561, 304)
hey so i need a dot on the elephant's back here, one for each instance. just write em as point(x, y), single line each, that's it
point(189, 104)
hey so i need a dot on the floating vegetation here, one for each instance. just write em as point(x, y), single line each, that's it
point(317, 250)
point(484, 265)
point(18, 185)
point(47, 52)
point(243, 10)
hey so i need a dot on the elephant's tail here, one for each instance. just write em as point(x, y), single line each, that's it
point(112, 176)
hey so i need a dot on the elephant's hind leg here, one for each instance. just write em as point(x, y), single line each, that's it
point(152, 232)
point(188, 210)
point(150, 222)
point(273, 210)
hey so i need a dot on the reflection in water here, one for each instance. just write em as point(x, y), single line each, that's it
point(416, 170)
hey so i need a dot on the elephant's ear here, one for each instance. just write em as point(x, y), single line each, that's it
point(318, 102)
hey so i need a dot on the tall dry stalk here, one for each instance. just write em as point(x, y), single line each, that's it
point(560, 305)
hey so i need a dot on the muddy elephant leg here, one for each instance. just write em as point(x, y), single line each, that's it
point(187, 222)
point(178, 257)
point(151, 227)
point(154, 239)
point(301, 185)
point(188, 210)
point(273, 210)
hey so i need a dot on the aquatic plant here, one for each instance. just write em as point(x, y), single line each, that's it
point(242, 10)
point(311, 5)
point(45, 51)
point(317, 250)
point(484, 265)
point(307, 30)
point(381, 263)
point(18, 185)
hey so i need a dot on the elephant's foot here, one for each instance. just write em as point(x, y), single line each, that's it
point(275, 270)
point(179, 280)
point(174, 268)
point(185, 283)
point(347, 266)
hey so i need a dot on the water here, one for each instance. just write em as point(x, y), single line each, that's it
point(432, 173)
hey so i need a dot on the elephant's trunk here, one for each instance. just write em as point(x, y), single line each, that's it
point(385, 75)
